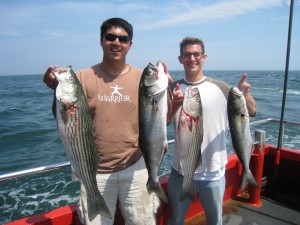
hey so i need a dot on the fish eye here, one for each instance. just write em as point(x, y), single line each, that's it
point(71, 79)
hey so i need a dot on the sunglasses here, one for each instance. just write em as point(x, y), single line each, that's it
point(112, 37)
point(188, 55)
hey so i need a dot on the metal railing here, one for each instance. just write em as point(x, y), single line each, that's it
point(57, 166)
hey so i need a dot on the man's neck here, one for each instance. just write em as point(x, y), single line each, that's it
point(114, 68)
point(191, 77)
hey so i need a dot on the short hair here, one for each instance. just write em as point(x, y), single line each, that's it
point(191, 41)
point(116, 22)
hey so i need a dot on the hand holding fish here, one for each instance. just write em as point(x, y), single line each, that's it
point(74, 124)
point(238, 119)
point(153, 109)
point(49, 78)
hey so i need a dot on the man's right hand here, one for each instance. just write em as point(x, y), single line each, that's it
point(49, 78)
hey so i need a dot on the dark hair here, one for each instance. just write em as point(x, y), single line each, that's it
point(116, 22)
point(191, 41)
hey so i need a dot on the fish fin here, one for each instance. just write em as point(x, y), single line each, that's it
point(157, 189)
point(74, 175)
point(248, 178)
point(187, 189)
point(97, 205)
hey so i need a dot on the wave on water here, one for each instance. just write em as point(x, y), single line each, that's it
point(293, 92)
point(37, 194)
point(29, 137)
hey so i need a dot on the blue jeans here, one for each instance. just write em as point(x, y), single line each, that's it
point(210, 195)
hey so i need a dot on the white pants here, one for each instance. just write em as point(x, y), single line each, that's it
point(129, 186)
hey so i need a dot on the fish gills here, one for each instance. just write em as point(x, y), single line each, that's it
point(75, 128)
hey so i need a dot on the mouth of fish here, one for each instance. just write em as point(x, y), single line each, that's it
point(58, 71)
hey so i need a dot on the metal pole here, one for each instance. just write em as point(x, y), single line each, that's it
point(33, 171)
point(277, 156)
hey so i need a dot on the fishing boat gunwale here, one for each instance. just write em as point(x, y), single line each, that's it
point(264, 161)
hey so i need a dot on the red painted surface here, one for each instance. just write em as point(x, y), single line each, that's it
point(61, 216)
point(257, 165)
point(285, 153)
point(289, 163)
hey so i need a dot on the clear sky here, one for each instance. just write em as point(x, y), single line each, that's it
point(238, 34)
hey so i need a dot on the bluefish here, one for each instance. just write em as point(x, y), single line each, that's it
point(153, 109)
point(238, 118)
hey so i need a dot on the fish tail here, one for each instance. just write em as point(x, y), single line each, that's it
point(157, 189)
point(97, 206)
point(187, 189)
point(248, 178)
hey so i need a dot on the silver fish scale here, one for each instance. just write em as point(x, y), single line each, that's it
point(189, 138)
point(153, 123)
point(79, 132)
point(239, 124)
point(75, 127)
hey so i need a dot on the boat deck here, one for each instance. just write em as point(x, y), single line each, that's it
point(281, 208)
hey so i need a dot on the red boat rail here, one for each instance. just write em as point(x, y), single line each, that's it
point(262, 166)
point(290, 159)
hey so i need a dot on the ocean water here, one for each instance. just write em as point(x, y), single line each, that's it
point(29, 138)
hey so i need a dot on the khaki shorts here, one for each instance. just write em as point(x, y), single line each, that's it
point(129, 187)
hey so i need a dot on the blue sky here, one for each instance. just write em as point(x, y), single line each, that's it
point(238, 34)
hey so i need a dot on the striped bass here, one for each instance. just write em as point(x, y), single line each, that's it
point(238, 118)
point(189, 137)
point(74, 125)
point(153, 109)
